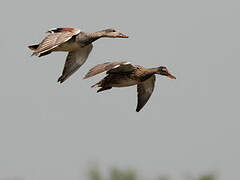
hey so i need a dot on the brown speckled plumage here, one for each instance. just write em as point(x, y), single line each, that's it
point(72, 40)
point(123, 74)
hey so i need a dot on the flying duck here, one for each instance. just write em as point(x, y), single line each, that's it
point(78, 44)
point(123, 74)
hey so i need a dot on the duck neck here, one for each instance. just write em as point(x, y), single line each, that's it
point(88, 38)
point(153, 70)
point(97, 35)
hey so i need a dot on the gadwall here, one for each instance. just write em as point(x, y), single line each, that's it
point(123, 74)
point(74, 41)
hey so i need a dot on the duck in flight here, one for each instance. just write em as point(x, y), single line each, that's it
point(123, 74)
point(78, 44)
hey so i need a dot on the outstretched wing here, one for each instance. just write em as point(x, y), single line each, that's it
point(55, 38)
point(75, 60)
point(144, 91)
point(110, 68)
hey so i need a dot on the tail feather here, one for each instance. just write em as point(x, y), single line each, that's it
point(99, 84)
point(45, 53)
point(103, 89)
point(34, 54)
point(33, 47)
point(95, 85)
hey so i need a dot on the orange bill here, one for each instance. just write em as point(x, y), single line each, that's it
point(171, 76)
point(122, 36)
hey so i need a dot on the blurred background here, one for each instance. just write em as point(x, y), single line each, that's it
point(130, 174)
point(188, 129)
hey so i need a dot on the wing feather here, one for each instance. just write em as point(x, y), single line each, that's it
point(110, 67)
point(74, 61)
point(144, 91)
point(54, 39)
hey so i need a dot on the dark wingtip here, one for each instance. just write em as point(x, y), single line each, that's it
point(60, 79)
point(138, 109)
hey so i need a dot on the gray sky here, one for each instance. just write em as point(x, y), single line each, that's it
point(190, 125)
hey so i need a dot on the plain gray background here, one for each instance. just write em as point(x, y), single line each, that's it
point(190, 125)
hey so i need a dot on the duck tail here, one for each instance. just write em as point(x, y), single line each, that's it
point(99, 84)
point(103, 89)
point(95, 85)
point(33, 47)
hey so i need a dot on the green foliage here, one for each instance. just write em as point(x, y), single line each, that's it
point(207, 177)
point(115, 174)
point(94, 174)
point(118, 174)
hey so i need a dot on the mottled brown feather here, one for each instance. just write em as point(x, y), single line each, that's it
point(110, 67)
point(52, 41)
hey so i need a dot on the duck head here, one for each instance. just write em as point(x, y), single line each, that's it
point(164, 71)
point(113, 33)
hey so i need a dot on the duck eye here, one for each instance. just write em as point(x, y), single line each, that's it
point(113, 30)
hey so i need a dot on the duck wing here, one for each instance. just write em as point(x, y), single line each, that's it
point(110, 68)
point(74, 61)
point(144, 91)
point(55, 38)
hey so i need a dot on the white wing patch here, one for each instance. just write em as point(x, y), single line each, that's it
point(75, 31)
point(116, 66)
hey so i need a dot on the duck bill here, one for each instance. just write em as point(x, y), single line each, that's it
point(171, 76)
point(122, 36)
